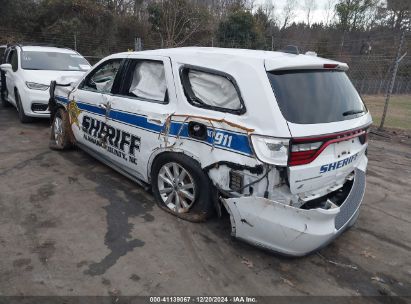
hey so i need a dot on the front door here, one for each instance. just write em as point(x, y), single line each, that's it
point(146, 99)
point(89, 107)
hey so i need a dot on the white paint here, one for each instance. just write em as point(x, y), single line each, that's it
point(275, 222)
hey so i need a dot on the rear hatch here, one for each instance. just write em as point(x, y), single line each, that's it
point(327, 121)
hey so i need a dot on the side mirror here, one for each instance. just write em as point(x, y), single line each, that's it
point(6, 67)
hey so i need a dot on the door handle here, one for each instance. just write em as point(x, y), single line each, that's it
point(106, 107)
point(103, 106)
point(155, 121)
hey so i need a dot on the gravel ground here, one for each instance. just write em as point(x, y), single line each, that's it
point(69, 225)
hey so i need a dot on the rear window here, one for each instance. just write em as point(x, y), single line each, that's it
point(53, 61)
point(315, 96)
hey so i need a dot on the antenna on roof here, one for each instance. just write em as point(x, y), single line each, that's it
point(290, 49)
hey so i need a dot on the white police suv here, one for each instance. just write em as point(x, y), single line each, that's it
point(277, 139)
point(27, 72)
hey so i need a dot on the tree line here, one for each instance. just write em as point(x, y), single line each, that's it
point(100, 27)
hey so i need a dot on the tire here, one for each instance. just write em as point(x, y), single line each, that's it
point(193, 204)
point(60, 137)
point(4, 102)
point(22, 116)
point(3, 90)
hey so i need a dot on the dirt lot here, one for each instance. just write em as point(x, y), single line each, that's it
point(398, 114)
point(72, 226)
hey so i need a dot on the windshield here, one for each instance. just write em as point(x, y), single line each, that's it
point(315, 96)
point(53, 61)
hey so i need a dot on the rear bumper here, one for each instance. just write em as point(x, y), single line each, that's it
point(289, 230)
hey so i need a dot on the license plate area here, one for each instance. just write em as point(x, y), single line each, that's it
point(344, 148)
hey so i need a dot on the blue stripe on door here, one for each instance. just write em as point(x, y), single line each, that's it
point(239, 142)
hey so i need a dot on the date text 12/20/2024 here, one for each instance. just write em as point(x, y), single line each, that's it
point(204, 299)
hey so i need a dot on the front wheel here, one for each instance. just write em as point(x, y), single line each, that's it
point(60, 131)
point(181, 187)
point(22, 116)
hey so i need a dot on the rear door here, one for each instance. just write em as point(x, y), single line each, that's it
point(146, 99)
point(327, 121)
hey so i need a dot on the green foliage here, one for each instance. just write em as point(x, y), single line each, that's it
point(241, 29)
point(102, 27)
point(351, 13)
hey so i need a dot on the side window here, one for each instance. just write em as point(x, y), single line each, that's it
point(212, 89)
point(13, 60)
point(146, 81)
point(102, 78)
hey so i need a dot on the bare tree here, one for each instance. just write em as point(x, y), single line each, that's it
point(177, 21)
point(289, 12)
point(329, 11)
point(309, 6)
point(269, 9)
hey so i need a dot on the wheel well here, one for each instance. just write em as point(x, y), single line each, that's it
point(156, 154)
point(53, 107)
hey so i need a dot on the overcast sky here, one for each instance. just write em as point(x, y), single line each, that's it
point(317, 15)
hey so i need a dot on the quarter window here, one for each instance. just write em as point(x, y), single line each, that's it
point(212, 89)
point(102, 78)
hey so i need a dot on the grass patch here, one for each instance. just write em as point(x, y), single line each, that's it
point(398, 114)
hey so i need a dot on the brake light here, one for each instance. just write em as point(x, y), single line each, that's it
point(305, 150)
point(302, 157)
point(330, 66)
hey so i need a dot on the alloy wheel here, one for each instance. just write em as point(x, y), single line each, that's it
point(176, 187)
point(58, 130)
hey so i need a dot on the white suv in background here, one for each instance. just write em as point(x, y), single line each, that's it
point(27, 72)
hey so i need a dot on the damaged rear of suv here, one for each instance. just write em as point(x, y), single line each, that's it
point(321, 166)
point(278, 139)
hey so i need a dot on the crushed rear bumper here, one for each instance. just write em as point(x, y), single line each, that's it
point(289, 230)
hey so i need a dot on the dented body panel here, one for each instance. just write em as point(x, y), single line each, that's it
point(289, 230)
point(292, 209)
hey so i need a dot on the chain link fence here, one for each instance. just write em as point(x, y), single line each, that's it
point(370, 73)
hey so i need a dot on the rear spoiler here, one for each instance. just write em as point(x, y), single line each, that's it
point(303, 62)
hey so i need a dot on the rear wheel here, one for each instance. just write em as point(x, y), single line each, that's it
point(181, 187)
point(22, 116)
point(60, 131)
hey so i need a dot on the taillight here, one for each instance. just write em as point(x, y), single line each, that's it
point(302, 154)
point(305, 150)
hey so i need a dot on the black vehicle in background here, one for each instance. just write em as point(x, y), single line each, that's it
point(2, 58)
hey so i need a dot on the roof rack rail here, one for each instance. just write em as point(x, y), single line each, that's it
point(290, 49)
point(44, 44)
point(27, 43)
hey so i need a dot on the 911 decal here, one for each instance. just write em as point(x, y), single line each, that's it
point(339, 164)
point(112, 139)
point(221, 139)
